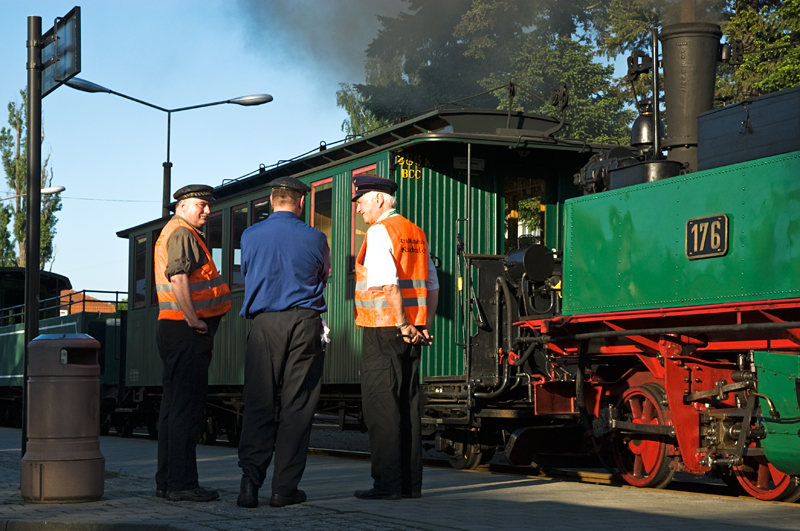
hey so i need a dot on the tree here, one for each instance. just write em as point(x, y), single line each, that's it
point(360, 119)
point(770, 33)
point(415, 62)
point(445, 52)
point(14, 155)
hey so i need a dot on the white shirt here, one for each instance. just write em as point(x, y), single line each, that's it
point(379, 259)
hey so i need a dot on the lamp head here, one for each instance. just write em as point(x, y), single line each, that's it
point(253, 99)
point(86, 86)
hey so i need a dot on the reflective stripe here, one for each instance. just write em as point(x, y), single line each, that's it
point(195, 286)
point(404, 284)
point(377, 303)
point(411, 302)
point(408, 302)
point(198, 305)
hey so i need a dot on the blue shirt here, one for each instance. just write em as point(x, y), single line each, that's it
point(285, 264)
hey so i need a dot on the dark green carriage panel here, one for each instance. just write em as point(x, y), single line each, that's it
point(778, 379)
point(142, 362)
point(12, 346)
point(626, 249)
point(104, 327)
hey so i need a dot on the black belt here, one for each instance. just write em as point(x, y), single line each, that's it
point(292, 309)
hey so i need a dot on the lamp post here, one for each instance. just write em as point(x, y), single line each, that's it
point(88, 86)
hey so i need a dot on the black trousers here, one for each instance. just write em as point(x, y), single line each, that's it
point(186, 356)
point(283, 363)
point(390, 400)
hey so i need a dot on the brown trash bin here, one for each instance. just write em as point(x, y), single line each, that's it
point(62, 461)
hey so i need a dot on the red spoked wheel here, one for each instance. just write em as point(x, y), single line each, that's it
point(643, 459)
point(763, 481)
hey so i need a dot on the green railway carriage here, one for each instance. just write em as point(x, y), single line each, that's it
point(460, 172)
point(94, 313)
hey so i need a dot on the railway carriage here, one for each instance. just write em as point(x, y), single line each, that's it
point(461, 175)
point(95, 313)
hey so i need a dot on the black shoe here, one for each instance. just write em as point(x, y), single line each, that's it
point(161, 493)
point(248, 493)
point(375, 494)
point(194, 495)
point(413, 494)
point(282, 501)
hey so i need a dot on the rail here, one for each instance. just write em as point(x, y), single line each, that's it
point(86, 301)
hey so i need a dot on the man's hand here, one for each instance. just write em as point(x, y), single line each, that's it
point(416, 336)
point(183, 294)
point(199, 325)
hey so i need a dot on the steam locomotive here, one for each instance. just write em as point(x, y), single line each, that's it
point(664, 335)
point(643, 314)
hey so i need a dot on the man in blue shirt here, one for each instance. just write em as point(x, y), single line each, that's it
point(285, 264)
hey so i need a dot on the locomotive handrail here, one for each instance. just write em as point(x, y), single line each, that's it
point(542, 339)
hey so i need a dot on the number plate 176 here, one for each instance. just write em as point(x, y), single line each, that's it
point(707, 237)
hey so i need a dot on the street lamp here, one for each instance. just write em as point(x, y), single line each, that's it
point(88, 86)
point(45, 191)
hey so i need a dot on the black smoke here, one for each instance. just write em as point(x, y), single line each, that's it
point(331, 34)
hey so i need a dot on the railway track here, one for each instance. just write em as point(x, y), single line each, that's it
point(690, 486)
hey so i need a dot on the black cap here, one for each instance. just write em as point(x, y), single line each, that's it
point(372, 183)
point(290, 183)
point(200, 191)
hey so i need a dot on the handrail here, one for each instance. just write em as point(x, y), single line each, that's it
point(16, 314)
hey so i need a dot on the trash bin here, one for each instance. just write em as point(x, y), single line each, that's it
point(62, 461)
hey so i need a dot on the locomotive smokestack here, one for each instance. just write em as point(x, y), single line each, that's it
point(689, 52)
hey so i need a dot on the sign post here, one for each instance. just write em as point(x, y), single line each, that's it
point(52, 59)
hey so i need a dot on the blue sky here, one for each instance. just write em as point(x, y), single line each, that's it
point(108, 151)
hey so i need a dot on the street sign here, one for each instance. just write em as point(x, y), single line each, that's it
point(61, 54)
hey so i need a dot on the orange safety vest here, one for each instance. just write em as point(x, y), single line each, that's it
point(210, 294)
point(410, 251)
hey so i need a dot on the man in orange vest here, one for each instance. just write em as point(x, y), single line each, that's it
point(192, 298)
point(396, 295)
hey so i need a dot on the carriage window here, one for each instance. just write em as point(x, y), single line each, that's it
point(524, 198)
point(261, 210)
point(358, 226)
point(214, 238)
point(153, 240)
point(139, 269)
point(322, 207)
point(239, 215)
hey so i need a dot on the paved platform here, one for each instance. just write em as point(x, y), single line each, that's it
point(452, 500)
